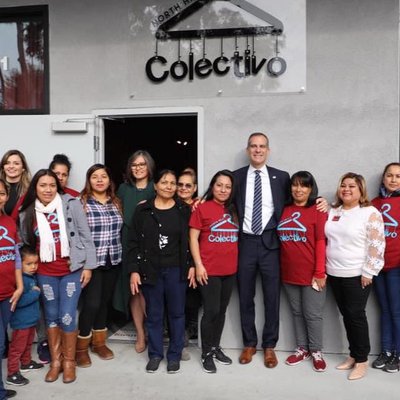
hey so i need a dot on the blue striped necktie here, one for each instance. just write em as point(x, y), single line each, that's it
point(256, 218)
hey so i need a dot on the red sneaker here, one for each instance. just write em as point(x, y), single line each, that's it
point(319, 364)
point(300, 355)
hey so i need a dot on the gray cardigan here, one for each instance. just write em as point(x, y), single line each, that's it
point(82, 250)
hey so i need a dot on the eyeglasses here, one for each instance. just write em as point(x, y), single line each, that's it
point(139, 165)
point(184, 185)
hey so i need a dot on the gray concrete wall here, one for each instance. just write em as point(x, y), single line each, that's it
point(346, 120)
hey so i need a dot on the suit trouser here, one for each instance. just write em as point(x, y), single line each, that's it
point(254, 257)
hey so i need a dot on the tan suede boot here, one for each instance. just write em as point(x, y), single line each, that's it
point(68, 350)
point(54, 339)
point(346, 364)
point(82, 351)
point(99, 344)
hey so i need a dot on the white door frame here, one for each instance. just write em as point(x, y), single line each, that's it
point(99, 147)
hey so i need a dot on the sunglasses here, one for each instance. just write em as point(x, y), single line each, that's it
point(185, 185)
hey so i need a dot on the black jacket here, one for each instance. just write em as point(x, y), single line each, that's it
point(143, 252)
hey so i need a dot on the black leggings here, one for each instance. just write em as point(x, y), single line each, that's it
point(95, 300)
point(215, 296)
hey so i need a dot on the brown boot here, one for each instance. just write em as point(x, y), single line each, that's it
point(99, 344)
point(68, 350)
point(54, 339)
point(82, 351)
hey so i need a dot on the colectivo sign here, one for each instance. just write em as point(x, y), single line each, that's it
point(243, 64)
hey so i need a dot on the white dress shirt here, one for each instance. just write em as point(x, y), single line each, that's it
point(267, 202)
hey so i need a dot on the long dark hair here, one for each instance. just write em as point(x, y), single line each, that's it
point(88, 191)
point(229, 205)
point(306, 179)
point(23, 184)
point(28, 205)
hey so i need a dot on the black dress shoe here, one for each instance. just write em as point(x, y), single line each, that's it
point(10, 393)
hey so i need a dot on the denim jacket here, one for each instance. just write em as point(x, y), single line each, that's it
point(82, 250)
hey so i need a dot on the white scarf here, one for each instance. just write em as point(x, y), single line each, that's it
point(47, 245)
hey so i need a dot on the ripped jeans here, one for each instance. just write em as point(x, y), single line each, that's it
point(60, 299)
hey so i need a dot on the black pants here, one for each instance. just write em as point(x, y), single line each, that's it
point(215, 296)
point(351, 300)
point(95, 299)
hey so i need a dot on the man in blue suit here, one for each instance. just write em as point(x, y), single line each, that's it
point(260, 196)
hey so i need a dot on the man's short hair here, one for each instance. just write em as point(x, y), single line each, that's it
point(257, 134)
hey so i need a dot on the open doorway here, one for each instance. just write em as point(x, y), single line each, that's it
point(170, 139)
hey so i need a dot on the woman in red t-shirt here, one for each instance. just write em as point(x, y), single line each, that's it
point(387, 283)
point(301, 232)
point(213, 244)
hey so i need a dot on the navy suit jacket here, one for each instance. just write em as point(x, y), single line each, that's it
point(280, 188)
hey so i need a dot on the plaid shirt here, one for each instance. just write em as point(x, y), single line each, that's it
point(105, 222)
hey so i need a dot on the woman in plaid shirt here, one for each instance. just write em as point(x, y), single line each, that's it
point(103, 210)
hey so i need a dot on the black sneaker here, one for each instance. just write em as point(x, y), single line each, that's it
point(221, 357)
point(43, 352)
point(32, 366)
point(153, 364)
point(17, 379)
point(382, 359)
point(208, 363)
point(10, 393)
point(393, 364)
point(173, 366)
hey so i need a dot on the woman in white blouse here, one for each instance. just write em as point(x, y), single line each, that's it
point(355, 250)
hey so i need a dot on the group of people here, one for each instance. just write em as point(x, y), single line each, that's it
point(151, 249)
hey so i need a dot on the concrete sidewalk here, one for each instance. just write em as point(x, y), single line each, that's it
point(125, 378)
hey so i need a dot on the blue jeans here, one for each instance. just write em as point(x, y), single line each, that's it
point(60, 299)
point(169, 291)
point(5, 315)
point(387, 288)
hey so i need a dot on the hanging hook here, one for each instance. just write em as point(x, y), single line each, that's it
point(236, 43)
point(190, 46)
point(276, 46)
point(222, 47)
point(179, 49)
point(204, 46)
point(156, 52)
point(252, 45)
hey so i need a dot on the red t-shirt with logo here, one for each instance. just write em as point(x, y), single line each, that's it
point(300, 230)
point(8, 240)
point(218, 238)
point(60, 266)
point(390, 210)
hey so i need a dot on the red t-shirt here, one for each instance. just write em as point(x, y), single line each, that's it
point(300, 230)
point(8, 240)
point(218, 238)
point(390, 210)
point(60, 266)
point(71, 192)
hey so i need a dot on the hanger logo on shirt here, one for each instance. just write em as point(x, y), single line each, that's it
point(7, 252)
point(292, 230)
point(390, 223)
point(224, 230)
point(52, 218)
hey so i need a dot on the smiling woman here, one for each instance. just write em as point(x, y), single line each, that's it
point(15, 171)
point(354, 255)
point(56, 225)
